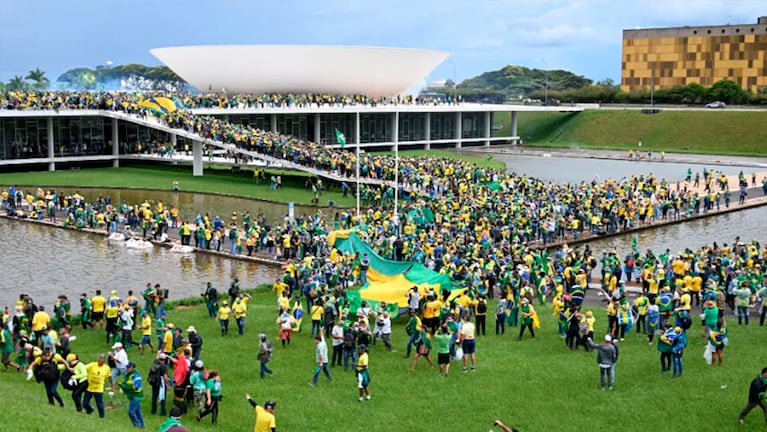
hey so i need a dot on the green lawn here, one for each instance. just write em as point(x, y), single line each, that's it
point(216, 180)
point(533, 384)
point(709, 132)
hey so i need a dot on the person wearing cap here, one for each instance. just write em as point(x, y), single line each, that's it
point(79, 379)
point(195, 342)
point(606, 358)
point(173, 422)
point(265, 349)
point(126, 326)
point(98, 373)
point(120, 358)
point(167, 339)
point(159, 381)
point(197, 380)
point(321, 358)
point(112, 314)
point(265, 421)
point(224, 314)
point(361, 368)
point(133, 388)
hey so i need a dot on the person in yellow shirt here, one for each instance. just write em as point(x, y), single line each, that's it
point(146, 331)
point(265, 421)
point(224, 313)
point(317, 311)
point(167, 339)
point(431, 312)
point(362, 370)
point(112, 313)
point(98, 306)
point(40, 322)
point(45, 368)
point(240, 309)
point(279, 286)
point(98, 373)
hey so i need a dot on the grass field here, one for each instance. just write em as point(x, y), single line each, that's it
point(709, 132)
point(219, 181)
point(533, 384)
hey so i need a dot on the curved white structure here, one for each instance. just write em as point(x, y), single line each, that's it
point(347, 70)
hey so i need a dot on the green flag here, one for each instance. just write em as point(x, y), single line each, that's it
point(341, 138)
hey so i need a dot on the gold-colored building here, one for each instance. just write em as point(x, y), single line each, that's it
point(677, 56)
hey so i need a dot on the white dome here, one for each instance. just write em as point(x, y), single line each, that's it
point(347, 70)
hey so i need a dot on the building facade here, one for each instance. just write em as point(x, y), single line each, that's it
point(677, 56)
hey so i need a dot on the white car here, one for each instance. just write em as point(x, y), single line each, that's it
point(716, 105)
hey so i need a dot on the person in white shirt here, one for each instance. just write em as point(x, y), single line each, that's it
point(322, 359)
point(337, 333)
point(385, 327)
point(466, 334)
point(120, 357)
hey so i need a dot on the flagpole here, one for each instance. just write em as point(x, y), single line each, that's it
point(357, 140)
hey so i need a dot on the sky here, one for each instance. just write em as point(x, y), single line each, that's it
point(582, 36)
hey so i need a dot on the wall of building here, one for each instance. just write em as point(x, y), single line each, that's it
point(703, 55)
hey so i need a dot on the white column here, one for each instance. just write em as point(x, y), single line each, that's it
point(274, 123)
point(428, 131)
point(458, 129)
point(488, 128)
point(197, 152)
point(51, 145)
point(317, 131)
point(115, 144)
point(396, 167)
point(395, 131)
point(515, 138)
point(357, 141)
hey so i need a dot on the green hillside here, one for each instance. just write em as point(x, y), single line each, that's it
point(713, 132)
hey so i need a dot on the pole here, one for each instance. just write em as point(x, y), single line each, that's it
point(396, 178)
point(357, 139)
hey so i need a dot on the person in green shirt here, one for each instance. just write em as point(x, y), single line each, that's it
point(422, 348)
point(133, 389)
point(443, 338)
point(213, 395)
point(159, 329)
point(173, 422)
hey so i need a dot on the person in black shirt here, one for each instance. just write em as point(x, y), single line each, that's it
point(756, 396)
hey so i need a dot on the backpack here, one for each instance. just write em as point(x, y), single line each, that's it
point(65, 380)
point(154, 374)
point(46, 371)
point(349, 339)
point(482, 306)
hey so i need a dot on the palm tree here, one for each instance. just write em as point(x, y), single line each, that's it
point(16, 83)
point(38, 77)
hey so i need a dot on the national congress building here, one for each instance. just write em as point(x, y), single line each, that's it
point(677, 56)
